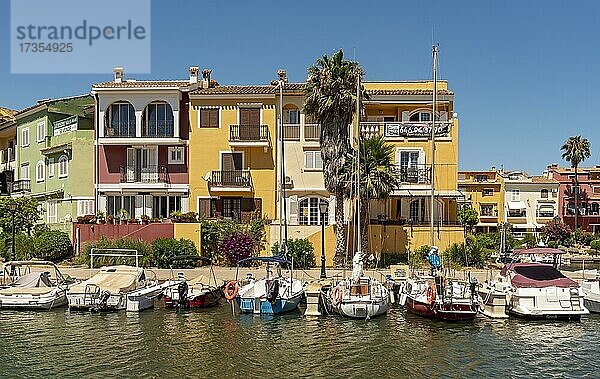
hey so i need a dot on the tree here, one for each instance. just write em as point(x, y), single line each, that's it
point(379, 177)
point(26, 215)
point(557, 232)
point(330, 99)
point(575, 150)
point(467, 216)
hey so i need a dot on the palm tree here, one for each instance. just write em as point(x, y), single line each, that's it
point(575, 150)
point(330, 99)
point(379, 177)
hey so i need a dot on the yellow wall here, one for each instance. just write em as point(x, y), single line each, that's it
point(399, 239)
point(207, 143)
point(474, 192)
point(187, 231)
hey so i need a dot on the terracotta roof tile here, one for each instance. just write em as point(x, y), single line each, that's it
point(407, 92)
point(143, 84)
point(542, 179)
point(249, 89)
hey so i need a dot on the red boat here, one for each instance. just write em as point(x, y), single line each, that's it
point(200, 292)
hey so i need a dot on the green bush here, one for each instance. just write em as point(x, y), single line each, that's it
point(53, 245)
point(595, 245)
point(419, 257)
point(301, 250)
point(24, 246)
point(214, 232)
point(140, 246)
point(165, 248)
point(388, 259)
point(529, 241)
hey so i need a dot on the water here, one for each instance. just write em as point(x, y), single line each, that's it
point(214, 344)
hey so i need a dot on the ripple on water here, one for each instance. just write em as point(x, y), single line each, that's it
point(213, 343)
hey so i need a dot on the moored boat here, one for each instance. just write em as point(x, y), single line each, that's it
point(591, 291)
point(31, 286)
point(199, 292)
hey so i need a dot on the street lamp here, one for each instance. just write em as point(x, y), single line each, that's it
point(12, 206)
point(323, 210)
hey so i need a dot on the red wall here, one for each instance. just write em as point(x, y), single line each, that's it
point(110, 160)
point(178, 173)
point(149, 232)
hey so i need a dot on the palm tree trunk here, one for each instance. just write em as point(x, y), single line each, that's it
point(340, 232)
point(364, 227)
point(576, 199)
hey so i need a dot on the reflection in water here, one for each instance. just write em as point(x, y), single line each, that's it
point(214, 343)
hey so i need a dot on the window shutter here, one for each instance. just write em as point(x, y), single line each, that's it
point(227, 162)
point(214, 118)
point(244, 116)
point(139, 206)
point(318, 160)
point(443, 116)
point(204, 208)
point(219, 207)
point(247, 208)
point(255, 116)
point(293, 209)
point(258, 206)
point(405, 116)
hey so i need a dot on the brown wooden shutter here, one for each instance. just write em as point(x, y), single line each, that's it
point(247, 208)
point(254, 116)
point(218, 207)
point(227, 162)
point(237, 161)
point(214, 118)
point(204, 208)
point(244, 116)
point(204, 118)
point(258, 206)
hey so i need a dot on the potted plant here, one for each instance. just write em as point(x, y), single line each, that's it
point(133, 220)
point(110, 219)
point(176, 216)
point(100, 217)
point(145, 219)
point(123, 216)
point(154, 220)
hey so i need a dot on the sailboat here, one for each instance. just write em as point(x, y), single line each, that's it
point(276, 293)
point(358, 296)
point(434, 295)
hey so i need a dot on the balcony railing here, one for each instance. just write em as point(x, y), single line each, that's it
point(19, 186)
point(291, 132)
point(150, 174)
point(545, 214)
point(235, 178)
point(418, 174)
point(405, 129)
point(7, 155)
point(120, 129)
point(312, 132)
point(488, 214)
point(249, 133)
point(160, 129)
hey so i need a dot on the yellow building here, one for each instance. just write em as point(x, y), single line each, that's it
point(8, 143)
point(484, 192)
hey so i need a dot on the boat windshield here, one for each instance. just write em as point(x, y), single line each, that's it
point(539, 272)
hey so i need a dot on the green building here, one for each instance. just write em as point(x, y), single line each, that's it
point(55, 158)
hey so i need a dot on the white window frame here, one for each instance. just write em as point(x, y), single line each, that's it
point(515, 195)
point(51, 212)
point(312, 156)
point(40, 171)
point(50, 167)
point(25, 166)
point(85, 207)
point(63, 171)
point(41, 131)
point(177, 150)
point(25, 137)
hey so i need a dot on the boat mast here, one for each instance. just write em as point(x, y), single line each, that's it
point(432, 210)
point(358, 161)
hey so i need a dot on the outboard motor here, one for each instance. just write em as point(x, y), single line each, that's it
point(473, 285)
point(182, 290)
point(273, 291)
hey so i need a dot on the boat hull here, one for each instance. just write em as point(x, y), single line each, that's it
point(263, 306)
point(493, 303)
point(208, 299)
point(592, 305)
point(30, 302)
point(361, 309)
point(446, 311)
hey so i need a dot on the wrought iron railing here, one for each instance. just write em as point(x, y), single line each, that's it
point(249, 133)
point(235, 178)
point(149, 174)
point(405, 129)
point(19, 186)
point(158, 129)
point(120, 129)
point(419, 173)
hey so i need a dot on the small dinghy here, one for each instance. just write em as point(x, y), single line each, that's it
point(275, 294)
point(31, 286)
point(199, 292)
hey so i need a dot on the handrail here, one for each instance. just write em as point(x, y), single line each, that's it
point(94, 254)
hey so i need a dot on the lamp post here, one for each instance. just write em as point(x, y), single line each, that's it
point(323, 210)
point(12, 206)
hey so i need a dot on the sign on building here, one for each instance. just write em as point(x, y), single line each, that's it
point(65, 125)
point(393, 129)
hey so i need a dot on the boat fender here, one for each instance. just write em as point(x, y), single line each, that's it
point(337, 296)
point(231, 290)
point(182, 290)
point(273, 291)
point(431, 293)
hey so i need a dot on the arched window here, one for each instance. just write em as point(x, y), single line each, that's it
point(40, 169)
point(544, 193)
point(420, 116)
point(120, 120)
point(309, 212)
point(291, 114)
point(158, 120)
point(63, 166)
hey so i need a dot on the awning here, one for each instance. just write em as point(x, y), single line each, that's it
point(426, 192)
point(56, 149)
point(516, 205)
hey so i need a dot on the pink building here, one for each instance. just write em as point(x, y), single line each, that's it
point(588, 200)
point(142, 135)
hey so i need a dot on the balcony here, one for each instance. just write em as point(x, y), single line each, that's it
point(249, 135)
point(158, 129)
point(291, 132)
point(7, 160)
point(20, 186)
point(236, 180)
point(150, 174)
point(405, 129)
point(416, 174)
point(312, 132)
point(120, 130)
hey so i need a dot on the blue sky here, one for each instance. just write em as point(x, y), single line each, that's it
point(524, 73)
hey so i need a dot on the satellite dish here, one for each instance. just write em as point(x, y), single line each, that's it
point(207, 176)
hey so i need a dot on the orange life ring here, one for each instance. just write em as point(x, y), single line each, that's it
point(228, 294)
point(337, 295)
point(431, 293)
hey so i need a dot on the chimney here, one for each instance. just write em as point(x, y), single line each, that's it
point(118, 74)
point(194, 74)
point(282, 75)
point(493, 168)
point(206, 78)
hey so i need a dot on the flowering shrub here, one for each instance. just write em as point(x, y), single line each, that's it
point(237, 246)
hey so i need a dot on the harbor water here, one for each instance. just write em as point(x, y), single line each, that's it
point(213, 343)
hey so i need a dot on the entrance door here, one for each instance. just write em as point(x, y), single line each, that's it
point(231, 168)
point(250, 124)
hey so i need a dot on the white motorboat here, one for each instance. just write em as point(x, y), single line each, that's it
point(536, 290)
point(32, 286)
point(358, 296)
point(591, 291)
point(115, 288)
point(199, 292)
point(271, 295)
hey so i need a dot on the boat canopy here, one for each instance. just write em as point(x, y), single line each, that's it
point(539, 250)
point(537, 275)
point(274, 259)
